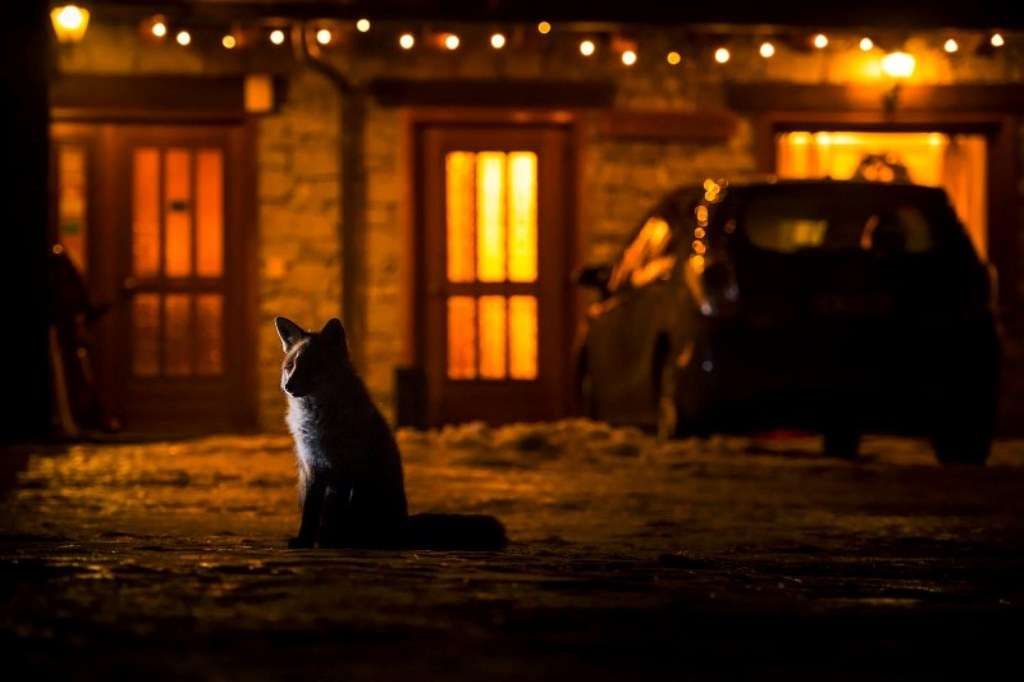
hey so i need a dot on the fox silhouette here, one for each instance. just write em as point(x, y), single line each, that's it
point(351, 485)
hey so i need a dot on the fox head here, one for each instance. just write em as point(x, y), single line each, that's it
point(312, 360)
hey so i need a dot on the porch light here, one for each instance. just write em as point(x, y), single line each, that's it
point(158, 29)
point(229, 42)
point(629, 58)
point(323, 36)
point(587, 47)
point(498, 41)
point(997, 40)
point(69, 23)
point(722, 55)
point(451, 41)
point(951, 46)
point(363, 25)
point(183, 38)
point(406, 41)
point(821, 41)
point(544, 27)
point(767, 50)
point(866, 44)
point(674, 58)
point(898, 65)
point(277, 36)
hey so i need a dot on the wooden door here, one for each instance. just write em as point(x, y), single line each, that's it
point(496, 315)
point(166, 250)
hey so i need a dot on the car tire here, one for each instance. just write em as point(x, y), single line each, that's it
point(841, 443)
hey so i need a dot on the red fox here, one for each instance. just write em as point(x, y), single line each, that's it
point(351, 487)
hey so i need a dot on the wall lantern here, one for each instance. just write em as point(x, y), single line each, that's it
point(69, 23)
point(898, 65)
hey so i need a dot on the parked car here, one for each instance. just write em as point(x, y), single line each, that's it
point(837, 307)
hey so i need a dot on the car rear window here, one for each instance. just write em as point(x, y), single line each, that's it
point(830, 219)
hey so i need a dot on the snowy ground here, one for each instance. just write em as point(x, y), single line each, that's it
point(628, 557)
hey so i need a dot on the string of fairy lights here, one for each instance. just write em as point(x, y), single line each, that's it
point(70, 22)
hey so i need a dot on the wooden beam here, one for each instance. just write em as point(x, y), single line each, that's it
point(493, 93)
point(707, 127)
point(192, 97)
point(952, 98)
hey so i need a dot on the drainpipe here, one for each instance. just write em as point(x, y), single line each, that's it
point(351, 192)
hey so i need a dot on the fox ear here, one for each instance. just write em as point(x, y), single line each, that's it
point(289, 332)
point(334, 333)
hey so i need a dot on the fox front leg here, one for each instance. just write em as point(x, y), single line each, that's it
point(311, 497)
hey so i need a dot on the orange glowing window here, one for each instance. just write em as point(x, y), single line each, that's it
point(209, 331)
point(146, 212)
point(146, 335)
point(177, 342)
point(491, 240)
point(178, 215)
point(209, 212)
point(71, 202)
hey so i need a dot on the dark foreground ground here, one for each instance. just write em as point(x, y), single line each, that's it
point(732, 558)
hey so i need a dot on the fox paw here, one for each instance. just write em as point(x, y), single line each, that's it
point(299, 543)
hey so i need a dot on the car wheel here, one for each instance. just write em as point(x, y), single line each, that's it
point(842, 443)
point(668, 409)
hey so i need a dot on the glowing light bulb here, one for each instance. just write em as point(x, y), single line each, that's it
point(363, 25)
point(159, 29)
point(673, 58)
point(69, 23)
point(997, 40)
point(587, 47)
point(498, 41)
point(898, 64)
point(406, 41)
point(451, 41)
point(544, 27)
point(767, 50)
point(951, 46)
point(183, 38)
point(722, 55)
point(866, 44)
point(277, 36)
point(821, 41)
point(323, 36)
point(629, 58)
point(229, 42)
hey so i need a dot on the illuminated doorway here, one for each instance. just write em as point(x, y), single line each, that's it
point(495, 229)
point(954, 162)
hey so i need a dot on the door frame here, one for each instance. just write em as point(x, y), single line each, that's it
point(89, 109)
point(414, 284)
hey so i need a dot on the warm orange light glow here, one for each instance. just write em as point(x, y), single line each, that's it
point(461, 337)
point(673, 58)
point(629, 58)
point(460, 182)
point(522, 351)
point(544, 27)
point(951, 46)
point(145, 212)
point(498, 41)
point(177, 212)
point(866, 44)
point(587, 47)
point(451, 41)
point(490, 216)
point(158, 29)
point(722, 55)
point(323, 36)
point(209, 212)
point(767, 50)
point(277, 36)
point(72, 203)
point(821, 41)
point(183, 38)
point(997, 40)
point(69, 23)
point(229, 42)
point(493, 336)
point(898, 64)
point(363, 25)
point(522, 216)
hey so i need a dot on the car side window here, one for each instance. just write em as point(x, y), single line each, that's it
point(648, 256)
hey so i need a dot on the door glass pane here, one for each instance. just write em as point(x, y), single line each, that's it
point(209, 326)
point(209, 212)
point(146, 335)
point(71, 202)
point(177, 334)
point(492, 337)
point(178, 216)
point(461, 337)
point(146, 212)
point(522, 314)
point(522, 216)
point(490, 214)
point(460, 207)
